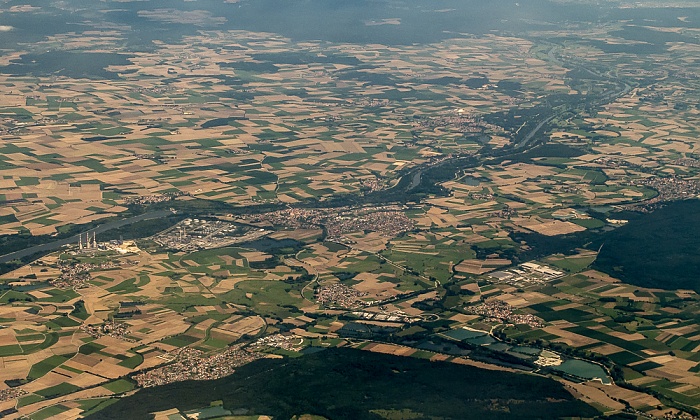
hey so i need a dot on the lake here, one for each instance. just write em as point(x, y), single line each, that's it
point(583, 369)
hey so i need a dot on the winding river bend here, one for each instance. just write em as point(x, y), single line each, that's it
point(409, 182)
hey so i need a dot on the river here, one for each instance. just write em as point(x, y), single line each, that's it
point(52, 246)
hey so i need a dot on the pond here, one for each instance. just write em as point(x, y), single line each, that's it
point(481, 340)
point(526, 350)
point(465, 334)
point(585, 370)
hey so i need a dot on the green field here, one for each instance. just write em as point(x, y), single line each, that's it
point(45, 366)
point(119, 386)
point(58, 390)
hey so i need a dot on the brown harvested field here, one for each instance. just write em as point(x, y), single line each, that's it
point(226, 285)
point(369, 283)
point(440, 358)
point(536, 297)
point(85, 361)
point(407, 306)
point(567, 337)
point(152, 359)
point(627, 336)
point(392, 349)
point(482, 365)
point(248, 325)
point(109, 369)
point(370, 242)
point(79, 395)
point(597, 275)
point(622, 291)
point(673, 368)
point(591, 394)
point(297, 234)
point(441, 218)
point(255, 256)
point(515, 301)
point(85, 380)
point(463, 318)
point(7, 337)
point(548, 227)
point(157, 327)
point(14, 366)
point(636, 399)
point(481, 266)
point(166, 414)
point(607, 349)
point(382, 323)
point(46, 381)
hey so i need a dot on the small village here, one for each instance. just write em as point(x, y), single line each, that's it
point(193, 364)
point(499, 311)
point(337, 294)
